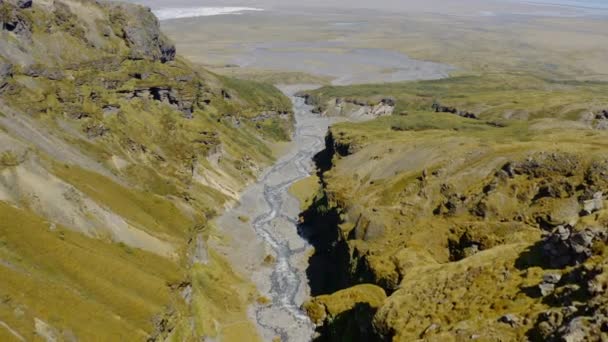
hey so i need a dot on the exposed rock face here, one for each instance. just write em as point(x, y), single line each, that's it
point(12, 19)
point(580, 307)
point(565, 246)
point(353, 109)
point(444, 109)
point(19, 3)
point(141, 31)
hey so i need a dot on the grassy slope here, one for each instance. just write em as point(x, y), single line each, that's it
point(95, 289)
point(146, 161)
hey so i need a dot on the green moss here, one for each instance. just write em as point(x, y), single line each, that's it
point(342, 301)
point(260, 96)
point(8, 159)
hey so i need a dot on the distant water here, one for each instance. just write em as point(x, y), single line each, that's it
point(191, 12)
point(345, 65)
point(586, 4)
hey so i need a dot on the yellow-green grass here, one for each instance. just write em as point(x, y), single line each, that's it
point(465, 298)
point(166, 173)
point(146, 210)
point(489, 96)
point(96, 289)
point(305, 190)
point(220, 301)
point(258, 95)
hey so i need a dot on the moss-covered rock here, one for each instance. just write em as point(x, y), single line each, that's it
point(346, 315)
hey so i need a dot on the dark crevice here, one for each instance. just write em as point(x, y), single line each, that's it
point(327, 270)
point(328, 267)
point(354, 325)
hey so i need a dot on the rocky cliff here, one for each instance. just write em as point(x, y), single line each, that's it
point(474, 230)
point(114, 155)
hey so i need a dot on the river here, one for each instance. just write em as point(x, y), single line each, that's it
point(272, 232)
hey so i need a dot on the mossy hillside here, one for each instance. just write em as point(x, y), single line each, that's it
point(149, 139)
point(399, 178)
point(140, 115)
point(427, 194)
point(489, 96)
point(163, 118)
point(68, 23)
point(91, 93)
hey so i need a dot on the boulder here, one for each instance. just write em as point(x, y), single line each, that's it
point(565, 246)
point(594, 204)
point(546, 289)
point(510, 319)
point(547, 286)
point(552, 278)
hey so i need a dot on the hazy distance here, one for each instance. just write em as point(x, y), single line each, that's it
point(463, 7)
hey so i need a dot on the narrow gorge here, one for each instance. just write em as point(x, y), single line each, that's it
point(263, 229)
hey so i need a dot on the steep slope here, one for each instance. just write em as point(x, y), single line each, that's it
point(114, 155)
point(477, 227)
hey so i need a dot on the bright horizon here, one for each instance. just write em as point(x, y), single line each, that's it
point(166, 9)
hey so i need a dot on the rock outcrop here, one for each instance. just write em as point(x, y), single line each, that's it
point(141, 30)
point(567, 247)
point(352, 108)
point(438, 108)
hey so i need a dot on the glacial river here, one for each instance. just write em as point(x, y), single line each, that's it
point(274, 215)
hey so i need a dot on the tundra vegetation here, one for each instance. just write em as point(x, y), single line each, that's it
point(477, 207)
